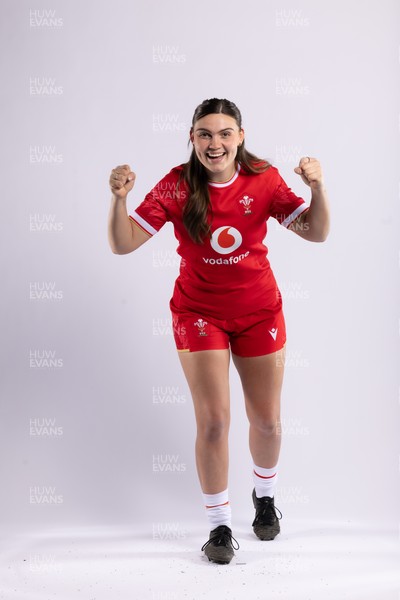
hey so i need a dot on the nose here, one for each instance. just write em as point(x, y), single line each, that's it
point(214, 142)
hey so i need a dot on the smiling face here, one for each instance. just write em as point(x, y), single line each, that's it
point(215, 139)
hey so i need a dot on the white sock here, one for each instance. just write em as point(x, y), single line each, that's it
point(265, 480)
point(218, 509)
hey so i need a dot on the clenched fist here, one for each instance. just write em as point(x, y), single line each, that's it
point(310, 171)
point(122, 180)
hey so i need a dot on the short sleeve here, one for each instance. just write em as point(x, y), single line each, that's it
point(285, 206)
point(153, 213)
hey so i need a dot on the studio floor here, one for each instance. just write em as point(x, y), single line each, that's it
point(307, 561)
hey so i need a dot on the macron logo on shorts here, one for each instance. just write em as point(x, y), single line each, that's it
point(273, 332)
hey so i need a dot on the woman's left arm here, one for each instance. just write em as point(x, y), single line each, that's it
point(313, 224)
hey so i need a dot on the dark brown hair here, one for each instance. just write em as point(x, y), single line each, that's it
point(197, 208)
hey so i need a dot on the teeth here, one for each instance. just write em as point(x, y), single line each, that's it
point(216, 155)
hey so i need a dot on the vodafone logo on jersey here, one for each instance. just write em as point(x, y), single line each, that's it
point(226, 239)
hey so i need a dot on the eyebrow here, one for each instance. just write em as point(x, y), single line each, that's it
point(208, 131)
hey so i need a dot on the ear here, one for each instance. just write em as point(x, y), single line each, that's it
point(241, 137)
point(191, 136)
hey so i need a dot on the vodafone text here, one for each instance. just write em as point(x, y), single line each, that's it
point(226, 261)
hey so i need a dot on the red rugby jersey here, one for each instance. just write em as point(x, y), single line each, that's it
point(228, 275)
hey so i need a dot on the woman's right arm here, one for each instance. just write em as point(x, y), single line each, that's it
point(124, 235)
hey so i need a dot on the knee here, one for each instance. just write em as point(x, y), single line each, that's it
point(266, 426)
point(213, 429)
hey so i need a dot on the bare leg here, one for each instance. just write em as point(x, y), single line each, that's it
point(207, 373)
point(262, 378)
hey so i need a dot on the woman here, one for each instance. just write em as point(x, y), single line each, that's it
point(226, 301)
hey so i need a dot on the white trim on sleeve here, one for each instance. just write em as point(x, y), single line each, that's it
point(144, 224)
point(300, 209)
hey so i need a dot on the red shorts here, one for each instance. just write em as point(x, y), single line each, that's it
point(259, 333)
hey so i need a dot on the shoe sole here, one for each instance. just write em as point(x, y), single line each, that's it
point(266, 535)
point(219, 562)
point(218, 557)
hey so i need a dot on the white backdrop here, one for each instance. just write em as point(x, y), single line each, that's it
point(96, 418)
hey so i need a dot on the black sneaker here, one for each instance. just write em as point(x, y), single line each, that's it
point(219, 547)
point(266, 524)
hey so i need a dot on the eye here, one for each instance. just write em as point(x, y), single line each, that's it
point(203, 134)
point(226, 134)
